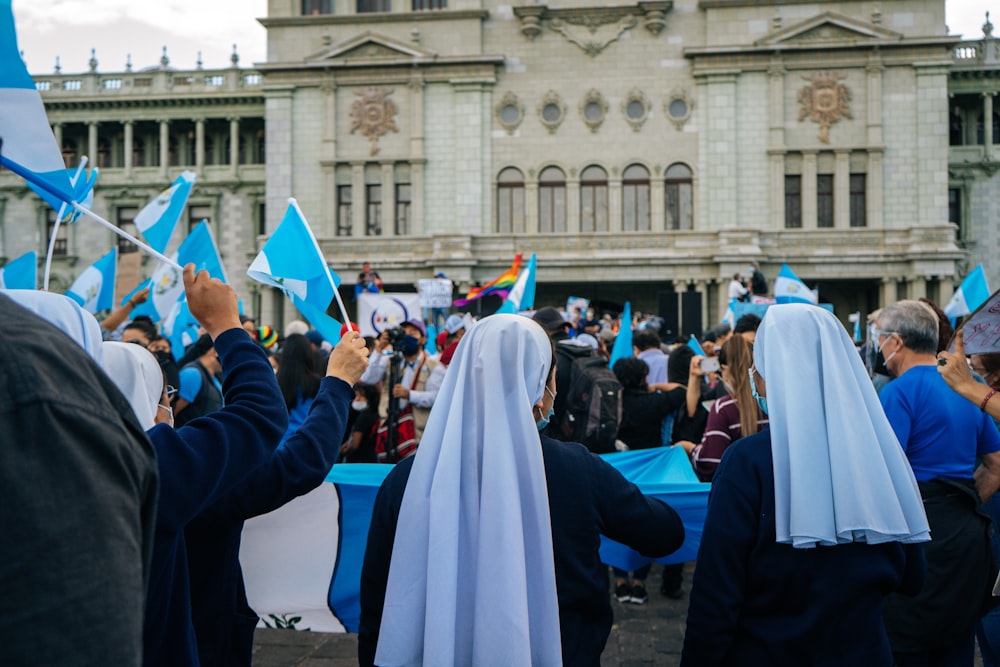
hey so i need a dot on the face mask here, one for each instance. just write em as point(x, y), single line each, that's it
point(761, 400)
point(410, 346)
point(544, 421)
point(885, 359)
point(359, 406)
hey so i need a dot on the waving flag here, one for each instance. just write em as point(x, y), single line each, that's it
point(157, 220)
point(501, 285)
point(972, 293)
point(292, 261)
point(20, 273)
point(29, 148)
point(789, 289)
point(696, 346)
point(623, 342)
point(95, 288)
point(180, 328)
point(83, 192)
point(522, 295)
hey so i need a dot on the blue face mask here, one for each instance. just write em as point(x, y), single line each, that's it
point(761, 400)
point(544, 421)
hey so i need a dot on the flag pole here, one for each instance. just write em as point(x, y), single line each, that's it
point(121, 232)
point(343, 310)
point(55, 227)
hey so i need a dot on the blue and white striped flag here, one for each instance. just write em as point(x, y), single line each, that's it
point(20, 273)
point(29, 148)
point(180, 328)
point(789, 289)
point(94, 289)
point(972, 293)
point(166, 285)
point(522, 294)
point(158, 219)
point(292, 261)
point(83, 192)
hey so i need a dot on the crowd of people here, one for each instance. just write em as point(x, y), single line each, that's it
point(849, 519)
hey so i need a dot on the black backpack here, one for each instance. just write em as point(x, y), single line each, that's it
point(593, 405)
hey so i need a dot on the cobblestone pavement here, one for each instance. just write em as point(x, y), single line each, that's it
point(642, 636)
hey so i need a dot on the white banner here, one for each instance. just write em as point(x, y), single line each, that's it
point(378, 312)
point(434, 293)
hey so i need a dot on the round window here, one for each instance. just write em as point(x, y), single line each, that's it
point(593, 111)
point(636, 110)
point(551, 113)
point(677, 109)
point(510, 114)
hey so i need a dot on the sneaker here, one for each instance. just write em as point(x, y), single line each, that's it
point(638, 594)
point(623, 593)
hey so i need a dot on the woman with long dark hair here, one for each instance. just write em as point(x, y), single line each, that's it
point(298, 378)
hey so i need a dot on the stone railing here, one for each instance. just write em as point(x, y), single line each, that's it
point(145, 82)
point(976, 53)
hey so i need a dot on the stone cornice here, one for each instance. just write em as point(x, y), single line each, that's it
point(383, 63)
point(726, 4)
point(753, 49)
point(435, 15)
point(157, 103)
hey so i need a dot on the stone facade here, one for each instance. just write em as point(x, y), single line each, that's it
point(641, 149)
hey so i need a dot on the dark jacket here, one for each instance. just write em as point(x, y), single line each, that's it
point(77, 503)
point(566, 354)
point(223, 621)
point(643, 412)
point(200, 463)
point(760, 603)
point(587, 498)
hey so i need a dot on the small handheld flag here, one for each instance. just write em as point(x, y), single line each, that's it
point(167, 284)
point(696, 346)
point(20, 273)
point(94, 289)
point(972, 293)
point(789, 289)
point(157, 220)
point(623, 343)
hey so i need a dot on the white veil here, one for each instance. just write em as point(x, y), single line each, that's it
point(137, 374)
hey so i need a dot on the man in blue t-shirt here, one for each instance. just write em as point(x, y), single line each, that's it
point(942, 435)
point(200, 392)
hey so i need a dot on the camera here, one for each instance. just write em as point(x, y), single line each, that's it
point(395, 337)
point(710, 365)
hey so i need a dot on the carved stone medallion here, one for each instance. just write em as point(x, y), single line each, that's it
point(824, 101)
point(374, 114)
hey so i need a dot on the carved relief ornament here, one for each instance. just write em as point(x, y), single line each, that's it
point(824, 101)
point(374, 114)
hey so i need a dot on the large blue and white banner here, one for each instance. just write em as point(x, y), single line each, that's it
point(302, 562)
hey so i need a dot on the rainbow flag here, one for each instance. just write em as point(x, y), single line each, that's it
point(501, 285)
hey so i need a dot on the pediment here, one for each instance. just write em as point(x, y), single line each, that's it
point(829, 28)
point(370, 46)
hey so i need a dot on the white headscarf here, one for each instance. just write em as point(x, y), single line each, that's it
point(840, 474)
point(65, 314)
point(137, 374)
point(472, 579)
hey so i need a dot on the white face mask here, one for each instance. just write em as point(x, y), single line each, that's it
point(359, 406)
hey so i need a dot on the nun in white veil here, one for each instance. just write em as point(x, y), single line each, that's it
point(472, 578)
point(65, 314)
point(138, 375)
point(807, 520)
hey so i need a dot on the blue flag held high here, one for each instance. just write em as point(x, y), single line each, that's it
point(696, 346)
point(292, 261)
point(972, 293)
point(94, 289)
point(20, 273)
point(157, 220)
point(522, 294)
point(83, 192)
point(623, 342)
point(29, 148)
point(789, 289)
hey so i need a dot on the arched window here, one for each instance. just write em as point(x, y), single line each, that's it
point(679, 197)
point(593, 199)
point(552, 200)
point(510, 201)
point(635, 199)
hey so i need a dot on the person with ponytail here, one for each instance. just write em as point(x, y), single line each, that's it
point(733, 416)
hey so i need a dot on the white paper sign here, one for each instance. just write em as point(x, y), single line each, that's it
point(434, 293)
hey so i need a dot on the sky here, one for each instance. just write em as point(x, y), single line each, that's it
point(116, 28)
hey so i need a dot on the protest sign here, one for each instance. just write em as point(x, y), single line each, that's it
point(434, 293)
point(982, 329)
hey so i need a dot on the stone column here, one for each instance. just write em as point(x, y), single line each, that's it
point(946, 290)
point(199, 144)
point(573, 202)
point(701, 286)
point(92, 142)
point(417, 198)
point(57, 132)
point(615, 202)
point(809, 190)
point(918, 288)
point(531, 203)
point(234, 145)
point(842, 189)
point(988, 126)
point(873, 189)
point(777, 161)
point(164, 147)
point(359, 206)
point(887, 292)
point(129, 147)
point(388, 199)
point(280, 152)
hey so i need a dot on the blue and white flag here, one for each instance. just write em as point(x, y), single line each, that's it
point(20, 273)
point(29, 148)
point(180, 328)
point(94, 289)
point(158, 219)
point(302, 562)
point(522, 294)
point(789, 289)
point(167, 283)
point(623, 342)
point(83, 193)
point(972, 293)
point(696, 346)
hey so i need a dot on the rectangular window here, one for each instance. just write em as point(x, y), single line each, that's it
point(344, 210)
point(594, 208)
point(679, 202)
point(510, 209)
point(859, 207)
point(261, 219)
point(198, 213)
point(371, 6)
point(61, 248)
point(316, 7)
point(402, 209)
point(126, 215)
point(955, 208)
point(793, 202)
point(824, 200)
point(551, 208)
point(373, 210)
point(429, 4)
